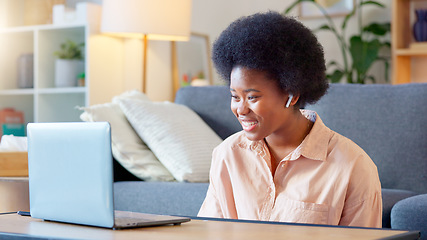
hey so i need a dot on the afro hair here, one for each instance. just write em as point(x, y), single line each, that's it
point(280, 46)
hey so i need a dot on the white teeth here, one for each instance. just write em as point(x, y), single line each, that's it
point(248, 124)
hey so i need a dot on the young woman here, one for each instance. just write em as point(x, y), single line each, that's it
point(285, 165)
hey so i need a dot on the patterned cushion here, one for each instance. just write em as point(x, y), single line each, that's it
point(179, 138)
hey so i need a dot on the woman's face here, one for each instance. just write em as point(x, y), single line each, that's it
point(258, 103)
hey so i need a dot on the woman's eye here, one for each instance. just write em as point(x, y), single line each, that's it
point(252, 97)
point(235, 97)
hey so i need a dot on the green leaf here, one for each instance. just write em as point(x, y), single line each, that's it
point(377, 28)
point(363, 53)
point(372, 78)
point(385, 60)
point(347, 17)
point(350, 77)
point(323, 27)
point(386, 68)
point(372, 3)
point(336, 76)
point(386, 44)
point(70, 50)
point(332, 63)
point(294, 5)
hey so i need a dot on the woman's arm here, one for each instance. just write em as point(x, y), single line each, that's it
point(363, 204)
point(211, 206)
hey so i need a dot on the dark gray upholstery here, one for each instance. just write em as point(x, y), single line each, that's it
point(390, 198)
point(411, 214)
point(387, 121)
point(169, 198)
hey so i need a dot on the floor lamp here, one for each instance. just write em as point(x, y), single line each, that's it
point(149, 20)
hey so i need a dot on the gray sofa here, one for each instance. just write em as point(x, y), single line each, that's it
point(387, 121)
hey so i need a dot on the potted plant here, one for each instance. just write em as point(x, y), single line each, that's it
point(69, 64)
point(363, 48)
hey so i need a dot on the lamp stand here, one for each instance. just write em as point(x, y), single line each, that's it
point(175, 74)
point(144, 65)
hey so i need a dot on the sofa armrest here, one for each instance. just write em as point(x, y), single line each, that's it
point(390, 198)
point(411, 214)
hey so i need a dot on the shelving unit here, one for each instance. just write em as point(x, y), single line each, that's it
point(409, 57)
point(44, 102)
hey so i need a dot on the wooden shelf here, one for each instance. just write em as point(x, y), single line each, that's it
point(28, 91)
point(62, 90)
point(406, 53)
point(410, 52)
point(44, 102)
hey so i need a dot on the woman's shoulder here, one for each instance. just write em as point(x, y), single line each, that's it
point(347, 149)
point(236, 139)
point(336, 147)
point(342, 142)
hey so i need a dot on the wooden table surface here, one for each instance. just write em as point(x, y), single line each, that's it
point(15, 225)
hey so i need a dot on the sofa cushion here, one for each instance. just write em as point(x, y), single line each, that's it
point(391, 197)
point(128, 149)
point(388, 122)
point(169, 198)
point(212, 104)
point(411, 214)
point(179, 138)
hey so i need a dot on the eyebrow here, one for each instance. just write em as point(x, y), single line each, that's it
point(246, 90)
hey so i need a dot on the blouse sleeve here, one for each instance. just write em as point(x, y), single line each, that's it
point(211, 206)
point(363, 204)
point(367, 213)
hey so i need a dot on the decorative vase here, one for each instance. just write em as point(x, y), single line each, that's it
point(26, 71)
point(67, 72)
point(420, 26)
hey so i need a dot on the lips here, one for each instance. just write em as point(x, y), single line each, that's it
point(249, 125)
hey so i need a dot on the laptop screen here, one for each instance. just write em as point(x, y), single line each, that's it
point(71, 173)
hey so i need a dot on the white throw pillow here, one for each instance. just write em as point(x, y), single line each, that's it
point(179, 138)
point(128, 149)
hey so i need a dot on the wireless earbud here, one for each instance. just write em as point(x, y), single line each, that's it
point(289, 100)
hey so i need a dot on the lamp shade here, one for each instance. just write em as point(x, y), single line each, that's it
point(158, 19)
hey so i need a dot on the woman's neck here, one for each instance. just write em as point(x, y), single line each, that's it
point(283, 143)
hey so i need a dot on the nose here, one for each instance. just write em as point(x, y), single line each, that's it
point(242, 108)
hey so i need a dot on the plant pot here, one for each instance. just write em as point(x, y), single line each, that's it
point(67, 71)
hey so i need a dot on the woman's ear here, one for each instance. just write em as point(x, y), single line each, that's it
point(292, 100)
point(289, 100)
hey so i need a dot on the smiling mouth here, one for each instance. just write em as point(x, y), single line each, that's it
point(249, 125)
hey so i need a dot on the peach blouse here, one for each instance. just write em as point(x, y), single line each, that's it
point(327, 179)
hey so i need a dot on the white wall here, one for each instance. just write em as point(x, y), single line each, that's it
point(211, 17)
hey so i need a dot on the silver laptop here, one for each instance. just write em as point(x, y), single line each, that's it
point(70, 170)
